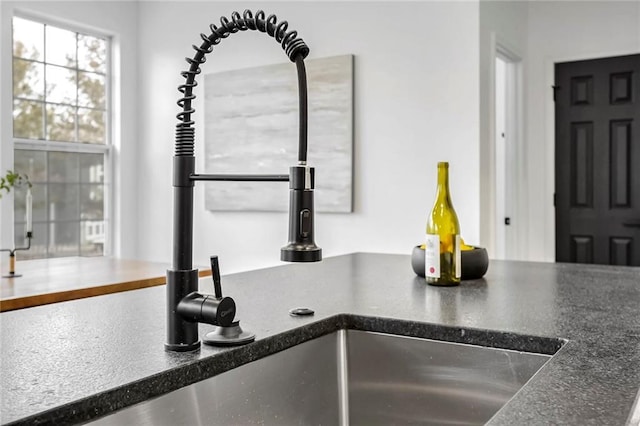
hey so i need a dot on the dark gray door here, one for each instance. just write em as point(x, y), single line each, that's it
point(597, 166)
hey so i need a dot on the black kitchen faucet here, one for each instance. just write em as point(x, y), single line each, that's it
point(185, 306)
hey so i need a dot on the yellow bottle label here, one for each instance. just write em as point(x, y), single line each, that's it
point(432, 256)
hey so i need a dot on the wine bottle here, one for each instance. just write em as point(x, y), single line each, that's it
point(442, 248)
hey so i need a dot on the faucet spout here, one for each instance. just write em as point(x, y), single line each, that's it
point(301, 246)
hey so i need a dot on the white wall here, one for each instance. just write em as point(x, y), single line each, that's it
point(416, 103)
point(558, 32)
point(118, 19)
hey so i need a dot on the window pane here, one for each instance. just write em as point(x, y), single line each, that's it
point(20, 234)
point(63, 202)
point(61, 123)
point(27, 119)
point(92, 238)
point(61, 46)
point(91, 90)
point(31, 163)
point(61, 85)
point(91, 202)
point(92, 168)
point(63, 167)
point(28, 79)
point(92, 53)
point(91, 126)
point(64, 238)
point(19, 209)
point(39, 244)
point(38, 194)
point(28, 39)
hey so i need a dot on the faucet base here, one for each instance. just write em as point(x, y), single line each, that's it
point(232, 335)
point(182, 347)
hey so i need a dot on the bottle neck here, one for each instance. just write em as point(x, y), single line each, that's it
point(443, 182)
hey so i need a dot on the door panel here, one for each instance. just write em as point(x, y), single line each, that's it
point(582, 249)
point(619, 167)
point(598, 161)
point(582, 164)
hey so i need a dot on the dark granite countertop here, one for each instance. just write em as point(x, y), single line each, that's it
point(70, 361)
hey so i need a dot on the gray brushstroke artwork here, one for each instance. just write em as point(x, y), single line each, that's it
point(251, 126)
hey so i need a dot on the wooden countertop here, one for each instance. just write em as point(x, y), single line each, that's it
point(46, 281)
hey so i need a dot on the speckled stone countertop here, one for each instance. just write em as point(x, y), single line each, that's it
point(72, 361)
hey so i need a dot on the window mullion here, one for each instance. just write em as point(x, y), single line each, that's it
point(76, 116)
point(44, 95)
point(84, 148)
point(48, 198)
point(79, 191)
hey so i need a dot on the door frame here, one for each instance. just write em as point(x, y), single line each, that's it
point(549, 234)
point(511, 244)
point(499, 47)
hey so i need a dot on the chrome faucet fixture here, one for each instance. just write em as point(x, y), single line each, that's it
point(185, 306)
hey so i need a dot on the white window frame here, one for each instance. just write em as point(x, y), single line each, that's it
point(79, 147)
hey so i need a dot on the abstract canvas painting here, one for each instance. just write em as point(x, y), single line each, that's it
point(251, 127)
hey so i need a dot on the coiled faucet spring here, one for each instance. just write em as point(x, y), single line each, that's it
point(295, 48)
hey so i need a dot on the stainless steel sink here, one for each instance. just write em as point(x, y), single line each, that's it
point(349, 378)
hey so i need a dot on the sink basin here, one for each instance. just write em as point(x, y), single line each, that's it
point(349, 377)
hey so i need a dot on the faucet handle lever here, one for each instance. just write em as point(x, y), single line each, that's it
point(215, 272)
